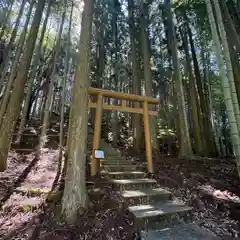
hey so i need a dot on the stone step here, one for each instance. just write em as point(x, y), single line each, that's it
point(109, 151)
point(30, 141)
point(111, 154)
point(158, 209)
point(115, 159)
point(116, 162)
point(145, 196)
point(116, 168)
point(24, 150)
point(125, 175)
point(23, 145)
point(134, 184)
point(35, 135)
point(32, 145)
point(159, 215)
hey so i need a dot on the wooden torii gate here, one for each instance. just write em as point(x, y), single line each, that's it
point(100, 106)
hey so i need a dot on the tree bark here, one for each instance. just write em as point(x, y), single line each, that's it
point(14, 67)
point(15, 30)
point(115, 125)
point(147, 71)
point(230, 25)
point(75, 198)
point(32, 76)
point(49, 97)
point(185, 143)
point(193, 98)
point(225, 86)
point(208, 89)
point(64, 83)
point(227, 57)
point(14, 106)
point(136, 83)
point(204, 120)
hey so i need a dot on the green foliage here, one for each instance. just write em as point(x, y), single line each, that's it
point(111, 49)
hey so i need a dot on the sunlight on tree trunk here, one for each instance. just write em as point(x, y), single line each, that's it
point(185, 143)
point(228, 63)
point(209, 102)
point(225, 86)
point(75, 197)
point(64, 83)
point(14, 106)
point(193, 95)
point(202, 114)
point(49, 96)
point(32, 76)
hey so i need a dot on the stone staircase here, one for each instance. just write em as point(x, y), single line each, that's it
point(152, 206)
point(30, 137)
point(142, 195)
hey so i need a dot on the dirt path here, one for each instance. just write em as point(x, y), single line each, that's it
point(21, 207)
point(16, 165)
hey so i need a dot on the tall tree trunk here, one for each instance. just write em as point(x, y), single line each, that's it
point(100, 49)
point(193, 98)
point(100, 53)
point(205, 123)
point(213, 152)
point(234, 56)
point(14, 67)
point(75, 193)
point(225, 86)
point(235, 13)
point(227, 57)
point(15, 30)
point(230, 25)
point(36, 111)
point(115, 125)
point(185, 143)
point(64, 83)
point(49, 98)
point(32, 76)
point(10, 46)
point(147, 70)
point(236, 67)
point(34, 108)
point(14, 106)
point(208, 89)
point(136, 85)
point(5, 63)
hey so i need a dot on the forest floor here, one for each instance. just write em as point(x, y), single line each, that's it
point(212, 189)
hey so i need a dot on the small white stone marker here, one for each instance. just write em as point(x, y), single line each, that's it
point(99, 154)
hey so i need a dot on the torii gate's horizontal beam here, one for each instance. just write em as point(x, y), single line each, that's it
point(122, 96)
point(122, 109)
